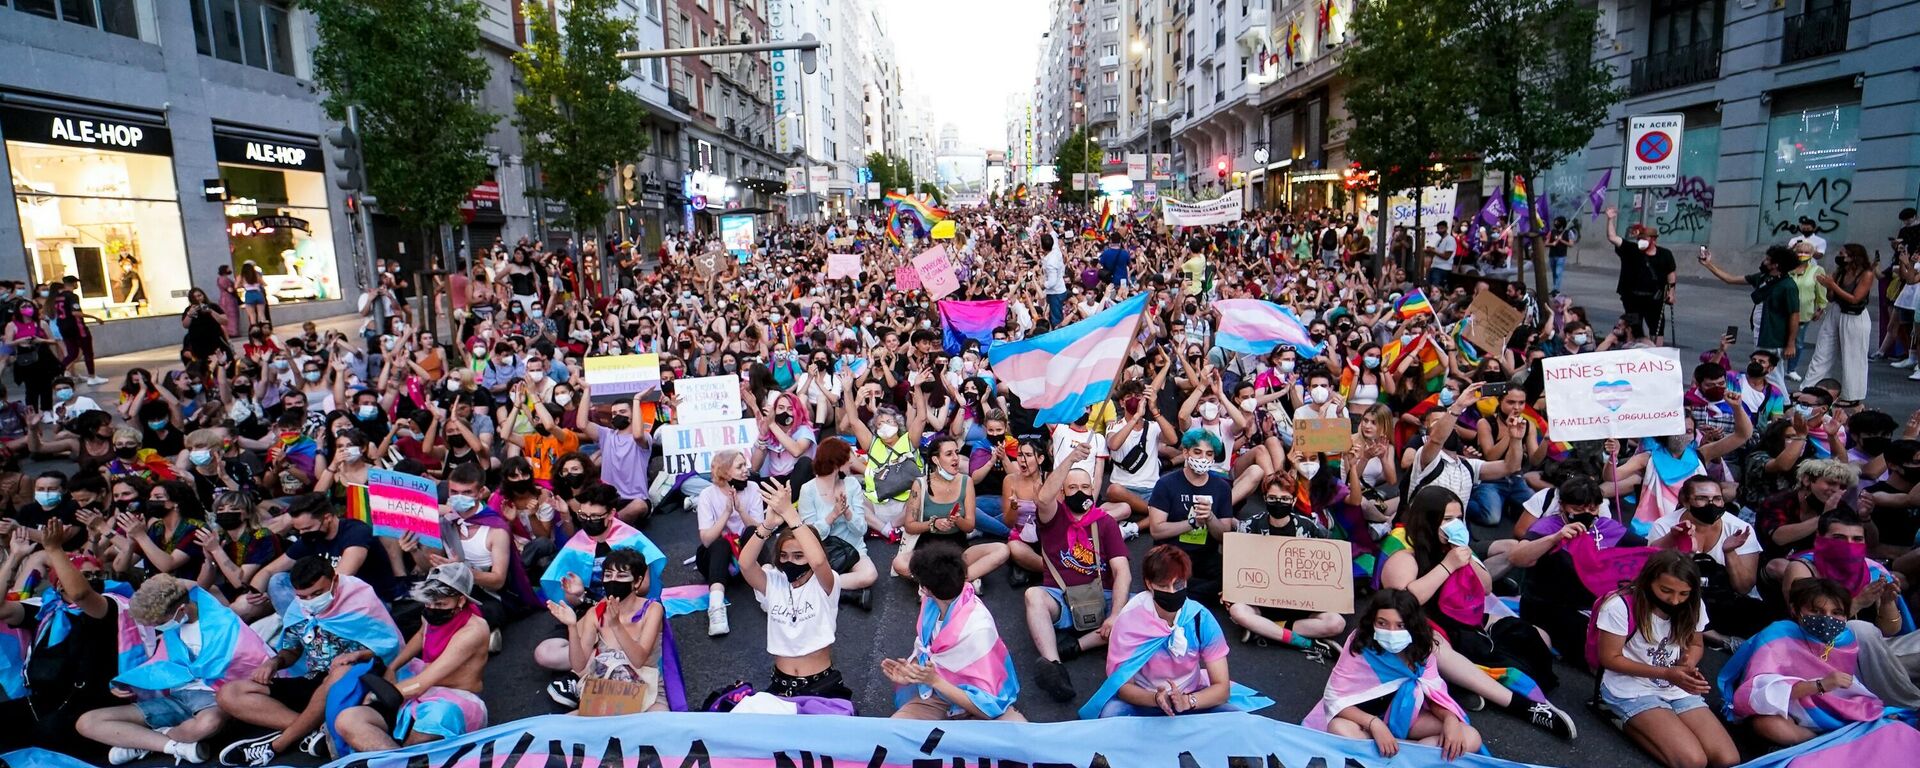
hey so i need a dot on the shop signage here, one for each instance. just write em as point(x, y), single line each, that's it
point(483, 202)
point(75, 130)
point(267, 154)
point(265, 223)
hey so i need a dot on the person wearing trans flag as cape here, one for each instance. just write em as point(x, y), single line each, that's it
point(1387, 687)
point(573, 579)
point(1167, 654)
point(436, 678)
point(82, 637)
point(334, 622)
point(959, 669)
point(1796, 679)
point(199, 648)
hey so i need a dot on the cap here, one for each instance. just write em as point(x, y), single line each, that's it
point(455, 576)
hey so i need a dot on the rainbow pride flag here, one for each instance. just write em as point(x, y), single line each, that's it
point(1527, 218)
point(1107, 218)
point(359, 504)
point(924, 214)
point(1413, 305)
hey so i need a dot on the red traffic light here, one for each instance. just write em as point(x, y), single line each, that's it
point(1220, 166)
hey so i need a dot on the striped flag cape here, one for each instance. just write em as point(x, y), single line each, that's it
point(577, 559)
point(963, 320)
point(1394, 351)
point(967, 649)
point(1255, 327)
point(1062, 373)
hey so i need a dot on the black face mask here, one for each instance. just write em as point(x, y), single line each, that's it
point(590, 526)
point(784, 419)
point(519, 487)
point(438, 617)
point(228, 521)
point(98, 584)
point(154, 511)
point(618, 590)
point(995, 438)
point(315, 538)
point(1585, 518)
point(1170, 601)
point(1756, 370)
point(620, 423)
point(793, 571)
point(1707, 515)
point(457, 442)
point(1079, 503)
point(1667, 609)
point(125, 453)
point(738, 483)
point(542, 429)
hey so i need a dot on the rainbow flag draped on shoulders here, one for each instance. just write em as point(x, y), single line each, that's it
point(1397, 350)
point(229, 651)
point(1139, 635)
point(966, 648)
point(581, 558)
point(299, 450)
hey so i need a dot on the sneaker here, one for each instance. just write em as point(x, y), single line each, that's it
point(1019, 578)
point(1052, 677)
point(315, 744)
point(1875, 357)
point(565, 692)
point(124, 755)
point(495, 641)
point(1915, 376)
point(238, 752)
point(189, 752)
point(978, 585)
point(1904, 363)
point(861, 598)
point(1553, 720)
point(258, 752)
point(1323, 652)
point(1793, 376)
point(94, 381)
point(1129, 530)
point(717, 622)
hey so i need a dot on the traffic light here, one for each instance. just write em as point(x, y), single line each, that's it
point(346, 158)
point(1220, 167)
point(809, 57)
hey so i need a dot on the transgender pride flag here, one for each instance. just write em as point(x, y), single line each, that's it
point(963, 320)
point(1255, 327)
point(1063, 372)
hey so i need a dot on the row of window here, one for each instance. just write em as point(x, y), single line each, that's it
point(257, 33)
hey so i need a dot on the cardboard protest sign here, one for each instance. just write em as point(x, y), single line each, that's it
point(844, 242)
point(843, 265)
point(905, 278)
point(690, 447)
point(1493, 323)
point(1287, 572)
point(1313, 436)
point(936, 273)
point(1620, 393)
point(707, 399)
point(399, 504)
point(708, 259)
point(623, 374)
point(600, 697)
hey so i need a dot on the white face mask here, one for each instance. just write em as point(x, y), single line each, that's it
point(1200, 466)
point(1581, 339)
point(1249, 405)
point(1308, 469)
point(887, 431)
point(1209, 411)
point(1642, 243)
point(1319, 395)
point(563, 398)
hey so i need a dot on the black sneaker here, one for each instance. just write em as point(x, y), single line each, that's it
point(1053, 678)
point(1553, 720)
point(1018, 577)
point(1323, 652)
point(860, 598)
point(565, 692)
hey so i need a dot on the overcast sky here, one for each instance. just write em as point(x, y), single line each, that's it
point(970, 55)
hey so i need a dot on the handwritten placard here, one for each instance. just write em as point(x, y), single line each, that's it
point(690, 447)
point(600, 697)
point(843, 242)
point(905, 278)
point(623, 374)
point(936, 273)
point(1493, 322)
point(1618, 393)
point(707, 399)
point(1313, 436)
point(843, 265)
point(399, 504)
point(1287, 572)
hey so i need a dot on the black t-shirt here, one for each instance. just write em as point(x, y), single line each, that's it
point(1897, 525)
point(80, 666)
point(168, 444)
point(32, 515)
point(1638, 276)
point(376, 571)
point(1910, 235)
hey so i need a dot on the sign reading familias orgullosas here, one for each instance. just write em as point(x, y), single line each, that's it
point(1619, 393)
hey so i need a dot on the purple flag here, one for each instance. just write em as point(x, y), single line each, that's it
point(1492, 211)
point(1540, 211)
point(1598, 195)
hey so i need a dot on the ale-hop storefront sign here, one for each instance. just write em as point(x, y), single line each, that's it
point(1219, 210)
point(79, 129)
point(286, 156)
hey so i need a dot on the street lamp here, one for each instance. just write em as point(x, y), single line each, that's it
point(1260, 154)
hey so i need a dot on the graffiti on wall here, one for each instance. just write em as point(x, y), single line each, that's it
point(1684, 210)
point(1823, 199)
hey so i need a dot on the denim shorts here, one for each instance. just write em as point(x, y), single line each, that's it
point(174, 707)
point(1627, 709)
point(1065, 620)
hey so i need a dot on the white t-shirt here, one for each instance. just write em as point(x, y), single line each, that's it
point(190, 637)
point(1729, 526)
point(1444, 247)
point(1664, 652)
point(1149, 472)
point(800, 620)
point(1066, 436)
point(1458, 475)
point(1538, 505)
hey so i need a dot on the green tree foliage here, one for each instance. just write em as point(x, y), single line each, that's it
point(933, 193)
point(1076, 155)
point(412, 68)
point(890, 173)
point(579, 123)
point(1401, 86)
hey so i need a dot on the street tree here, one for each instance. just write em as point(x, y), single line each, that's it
point(933, 193)
point(411, 67)
point(1539, 93)
point(1403, 96)
point(578, 122)
point(1076, 154)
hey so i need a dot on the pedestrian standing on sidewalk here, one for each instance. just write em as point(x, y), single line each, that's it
point(229, 300)
point(1847, 336)
point(72, 322)
point(1776, 303)
point(1646, 275)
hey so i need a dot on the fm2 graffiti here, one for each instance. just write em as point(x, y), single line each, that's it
point(1824, 200)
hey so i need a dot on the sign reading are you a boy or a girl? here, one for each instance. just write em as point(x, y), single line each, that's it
point(1619, 394)
point(1287, 572)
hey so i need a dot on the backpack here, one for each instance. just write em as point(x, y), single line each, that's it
point(1593, 626)
point(724, 698)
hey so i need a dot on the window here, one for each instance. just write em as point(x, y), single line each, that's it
point(120, 17)
point(1677, 24)
point(1112, 49)
point(653, 9)
point(1110, 77)
point(257, 33)
point(1111, 24)
point(1113, 105)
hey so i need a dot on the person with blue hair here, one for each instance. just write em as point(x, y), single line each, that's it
point(1192, 509)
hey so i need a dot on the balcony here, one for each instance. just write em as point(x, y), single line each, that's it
point(1681, 66)
point(1816, 33)
point(678, 101)
point(1109, 61)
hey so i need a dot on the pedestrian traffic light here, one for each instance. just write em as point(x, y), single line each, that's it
point(346, 158)
point(1220, 167)
point(809, 57)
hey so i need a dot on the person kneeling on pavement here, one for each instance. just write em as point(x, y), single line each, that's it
point(1309, 631)
point(435, 681)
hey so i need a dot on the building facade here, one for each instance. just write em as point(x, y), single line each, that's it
point(728, 142)
point(151, 143)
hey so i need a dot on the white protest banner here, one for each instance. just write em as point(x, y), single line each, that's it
point(1136, 166)
point(1287, 572)
point(818, 177)
point(707, 399)
point(690, 447)
point(796, 180)
point(843, 265)
point(623, 374)
point(1436, 205)
point(1219, 210)
point(1622, 393)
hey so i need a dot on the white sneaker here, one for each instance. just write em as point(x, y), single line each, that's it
point(1129, 530)
point(124, 755)
point(1915, 376)
point(315, 744)
point(187, 752)
point(95, 381)
point(977, 586)
point(1793, 376)
point(717, 622)
point(1904, 363)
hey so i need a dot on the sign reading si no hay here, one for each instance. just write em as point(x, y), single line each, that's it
point(1622, 393)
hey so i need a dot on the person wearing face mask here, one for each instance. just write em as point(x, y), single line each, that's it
point(1800, 677)
point(1166, 654)
point(573, 579)
point(1318, 398)
point(329, 620)
point(1575, 518)
point(623, 637)
point(36, 355)
point(437, 675)
point(1787, 521)
point(1839, 552)
point(1646, 272)
point(201, 648)
point(318, 529)
point(801, 596)
point(1650, 639)
point(1194, 507)
point(236, 548)
point(549, 439)
point(73, 642)
point(165, 532)
point(49, 502)
point(941, 509)
point(944, 679)
point(1726, 550)
point(1709, 402)
point(725, 510)
point(159, 423)
point(1777, 312)
point(206, 464)
point(1311, 632)
point(1133, 444)
point(786, 443)
point(1666, 462)
point(1393, 657)
point(474, 532)
point(891, 442)
point(503, 370)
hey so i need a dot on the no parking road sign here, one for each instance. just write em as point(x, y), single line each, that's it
point(1653, 150)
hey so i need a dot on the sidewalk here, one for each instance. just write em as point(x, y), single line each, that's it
point(157, 359)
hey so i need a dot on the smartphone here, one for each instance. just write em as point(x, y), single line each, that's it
point(1733, 332)
point(1495, 388)
point(666, 387)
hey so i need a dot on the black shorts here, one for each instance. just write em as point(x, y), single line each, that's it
point(1285, 617)
point(295, 693)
